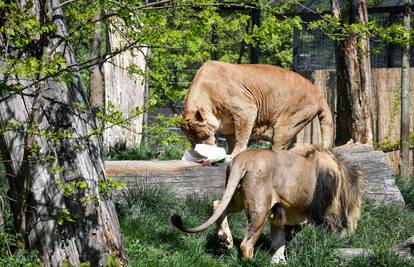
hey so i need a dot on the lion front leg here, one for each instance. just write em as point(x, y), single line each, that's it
point(243, 126)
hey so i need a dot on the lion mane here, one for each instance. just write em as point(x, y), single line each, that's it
point(336, 198)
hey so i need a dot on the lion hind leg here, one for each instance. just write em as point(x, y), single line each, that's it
point(257, 212)
point(224, 233)
point(288, 127)
point(277, 236)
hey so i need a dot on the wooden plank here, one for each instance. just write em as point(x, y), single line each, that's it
point(186, 178)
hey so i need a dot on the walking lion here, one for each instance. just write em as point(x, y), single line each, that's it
point(288, 187)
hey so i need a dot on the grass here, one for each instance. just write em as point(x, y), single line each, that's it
point(151, 240)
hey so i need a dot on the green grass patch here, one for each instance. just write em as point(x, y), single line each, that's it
point(151, 240)
point(407, 190)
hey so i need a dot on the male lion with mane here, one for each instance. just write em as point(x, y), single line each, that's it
point(252, 100)
point(289, 187)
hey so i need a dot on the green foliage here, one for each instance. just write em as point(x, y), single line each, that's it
point(407, 190)
point(113, 261)
point(151, 240)
point(108, 185)
point(386, 145)
point(311, 247)
point(160, 141)
point(12, 250)
point(65, 216)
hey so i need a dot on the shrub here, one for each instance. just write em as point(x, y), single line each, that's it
point(161, 141)
point(12, 251)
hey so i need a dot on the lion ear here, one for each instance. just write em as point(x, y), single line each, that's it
point(200, 115)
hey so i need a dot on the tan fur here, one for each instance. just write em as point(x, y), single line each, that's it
point(306, 183)
point(252, 100)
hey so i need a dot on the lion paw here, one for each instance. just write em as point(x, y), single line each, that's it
point(278, 258)
point(225, 240)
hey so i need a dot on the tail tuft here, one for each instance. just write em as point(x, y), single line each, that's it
point(176, 221)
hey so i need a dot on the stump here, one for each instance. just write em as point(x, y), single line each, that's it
point(186, 178)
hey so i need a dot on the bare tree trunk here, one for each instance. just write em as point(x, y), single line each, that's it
point(405, 168)
point(354, 114)
point(75, 227)
point(254, 50)
point(123, 89)
point(96, 86)
point(1, 214)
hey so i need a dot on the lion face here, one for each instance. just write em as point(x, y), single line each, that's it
point(199, 127)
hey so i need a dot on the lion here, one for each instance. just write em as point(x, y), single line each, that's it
point(256, 101)
point(288, 187)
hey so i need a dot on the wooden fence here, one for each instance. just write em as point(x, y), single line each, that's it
point(386, 88)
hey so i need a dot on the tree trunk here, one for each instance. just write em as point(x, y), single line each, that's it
point(405, 169)
point(96, 86)
point(254, 49)
point(123, 89)
point(354, 114)
point(76, 226)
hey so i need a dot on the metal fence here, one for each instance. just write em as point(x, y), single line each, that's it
point(314, 50)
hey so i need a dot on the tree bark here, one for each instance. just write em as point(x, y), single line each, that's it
point(405, 169)
point(96, 86)
point(354, 114)
point(124, 90)
point(254, 50)
point(73, 227)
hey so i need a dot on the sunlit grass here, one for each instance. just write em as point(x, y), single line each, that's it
point(151, 240)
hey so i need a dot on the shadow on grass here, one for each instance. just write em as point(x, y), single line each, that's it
point(214, 248)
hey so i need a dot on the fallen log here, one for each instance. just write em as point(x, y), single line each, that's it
point(379, 179)
point(186, 178)
point(183, 177)
point(405, 249)
point(347, 254)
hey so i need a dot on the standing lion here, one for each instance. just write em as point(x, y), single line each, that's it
point(252, 100)
point(287, 187)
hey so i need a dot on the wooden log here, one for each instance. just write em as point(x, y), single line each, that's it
point(187, 178)
point(405, 249)
point(183, 177)
point(347, 254)
point(379, 179)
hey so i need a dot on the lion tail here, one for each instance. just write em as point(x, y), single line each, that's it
point(234, 176)
point(326, 122)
